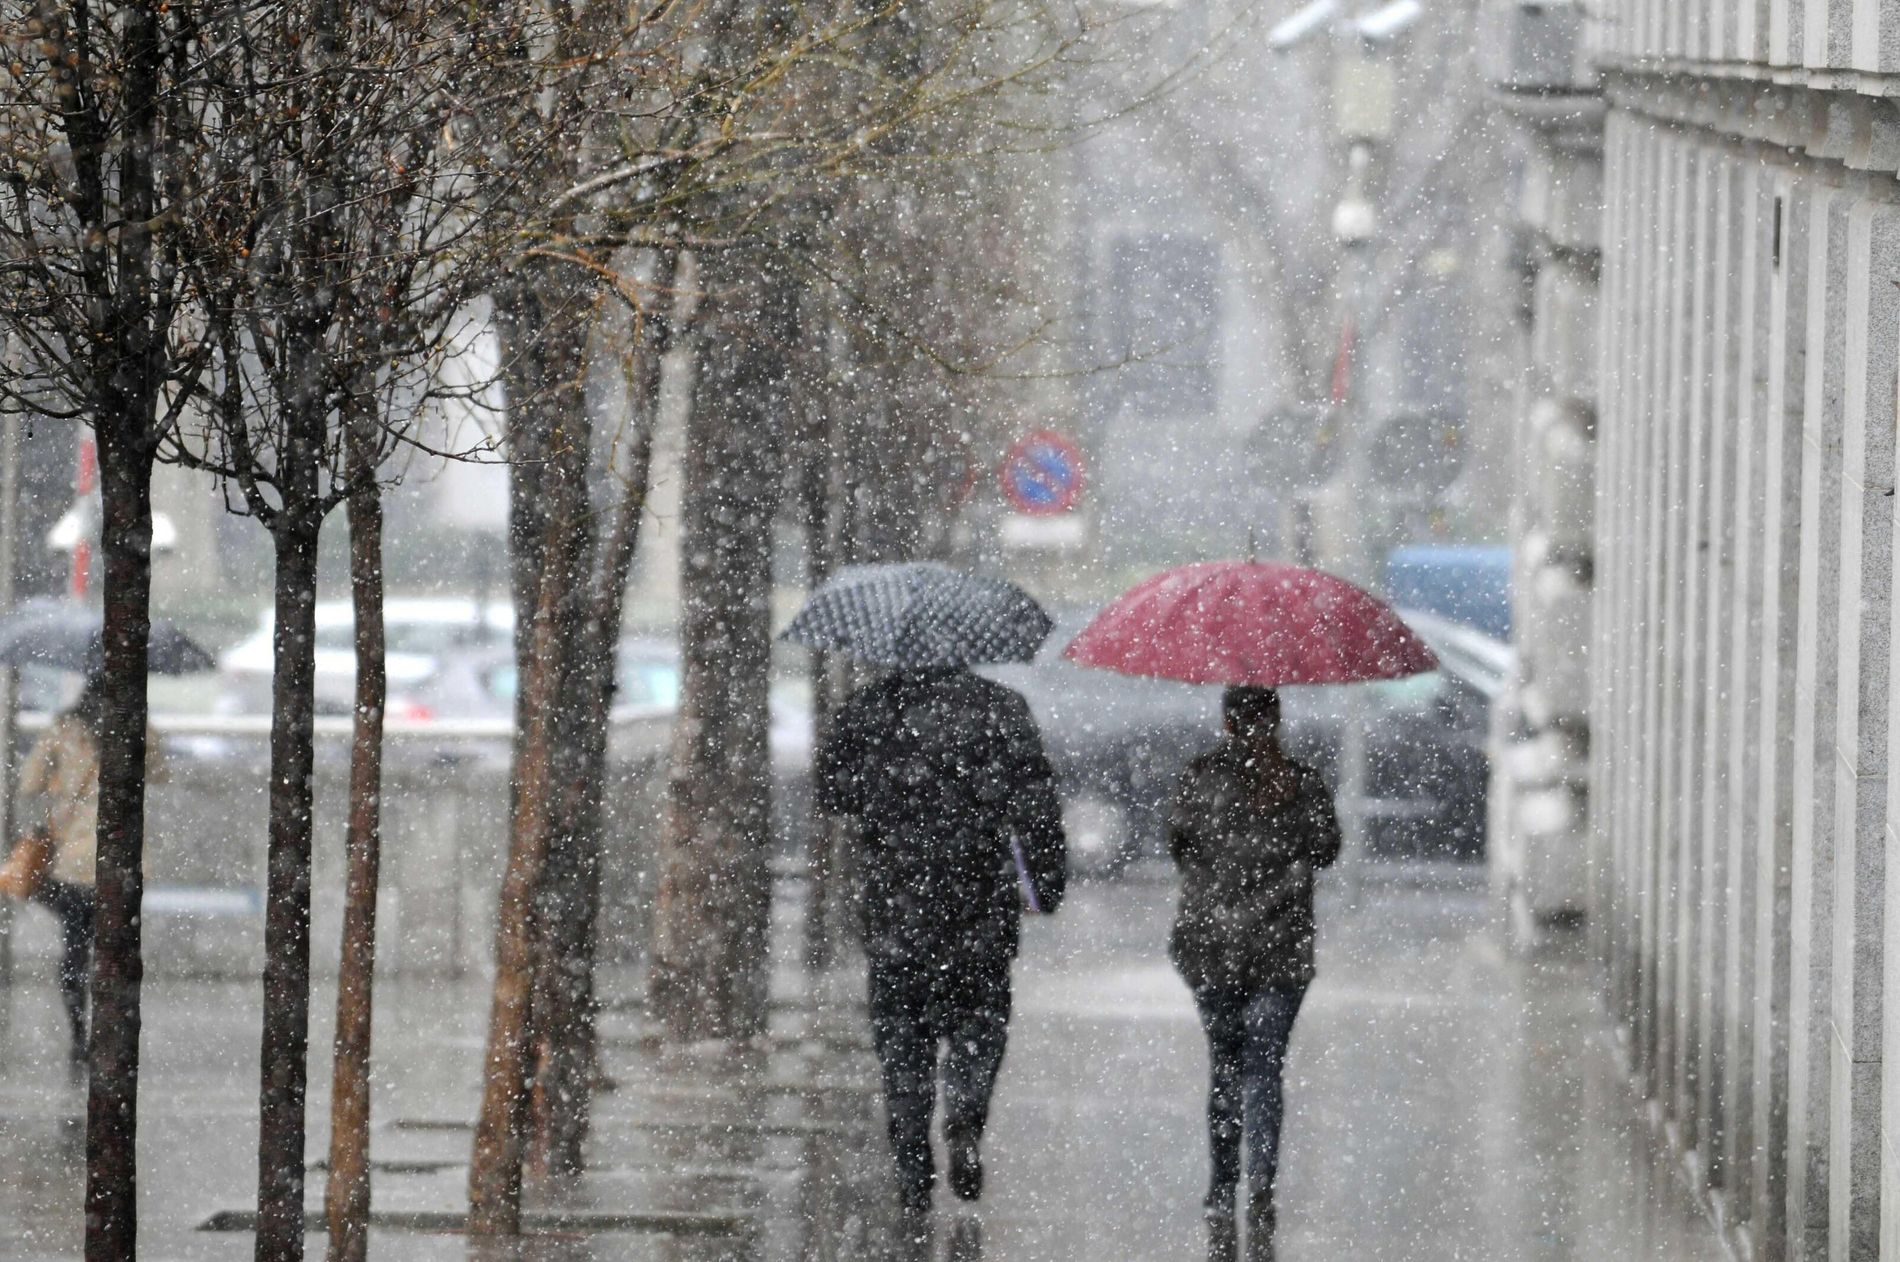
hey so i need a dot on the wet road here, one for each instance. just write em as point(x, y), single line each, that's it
point(1446, 1101)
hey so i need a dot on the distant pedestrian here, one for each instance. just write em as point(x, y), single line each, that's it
point(52, 862)
point(961, 827)
point(1249, 829)
point(59, 796)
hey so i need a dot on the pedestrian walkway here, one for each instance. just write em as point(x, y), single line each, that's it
point(1447, 1101)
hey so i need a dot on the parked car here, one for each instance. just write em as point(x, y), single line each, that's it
point(1119, 745)
point(1461, 583)
point(481, 684)
point(1428, 764)
point(421, 632)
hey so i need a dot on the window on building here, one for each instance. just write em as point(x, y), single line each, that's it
point(1161, 299)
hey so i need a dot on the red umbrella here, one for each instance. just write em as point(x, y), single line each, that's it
point(1251, 622)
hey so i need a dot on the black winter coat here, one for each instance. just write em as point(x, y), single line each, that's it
point(1246, 914)
point(944, 770)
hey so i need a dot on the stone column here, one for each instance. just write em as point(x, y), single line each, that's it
point(1656, 878)
point(1775, 932)
point(1738, 749)
point(1812, 752)
point(1865, 345)
point(1541, 848)
point(1719, 858)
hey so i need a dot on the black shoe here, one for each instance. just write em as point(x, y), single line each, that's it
point(966, 1170)
point(913, 1198)
point(1261, 1221)
point(1223, 1241)
point(966, 1241)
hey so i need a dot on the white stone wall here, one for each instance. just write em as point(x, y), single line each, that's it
point(1538, 835)
point(1739, 787)
point(1826, 37)
point(1739, 403)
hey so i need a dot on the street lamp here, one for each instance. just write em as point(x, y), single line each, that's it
point(1393, 19)
point(1302, 24)
point(1323, 15)
point(1364, 108)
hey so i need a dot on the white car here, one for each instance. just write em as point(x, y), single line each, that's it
point(420, 630)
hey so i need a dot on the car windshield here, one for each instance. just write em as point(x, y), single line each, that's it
point(648, 680)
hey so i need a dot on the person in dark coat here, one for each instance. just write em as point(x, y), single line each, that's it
point(960, 827)
point(1248, 830)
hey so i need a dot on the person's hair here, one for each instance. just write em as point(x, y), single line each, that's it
point(89, 707)
point(1247, 708)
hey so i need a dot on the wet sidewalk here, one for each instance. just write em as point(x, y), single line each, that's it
point(1446, 1101)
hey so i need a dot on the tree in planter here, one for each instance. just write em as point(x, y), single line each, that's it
point(567, 620)
point(330, 280)
point(632, 133)
point(565, 1013)
point(347, 1191)
point(708, 973)
point(101, 126)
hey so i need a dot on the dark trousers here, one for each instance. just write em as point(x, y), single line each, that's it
point(74, 905)
point(917, 1005)
point(1247, 1037)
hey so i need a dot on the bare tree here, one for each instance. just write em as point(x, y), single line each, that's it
point(568, 582)
point(330, 273)
point(101, 127)
point(347, 1194)
point(719, 152)
point(566, 1017)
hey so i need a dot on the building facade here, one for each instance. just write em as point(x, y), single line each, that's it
point(1734, 808)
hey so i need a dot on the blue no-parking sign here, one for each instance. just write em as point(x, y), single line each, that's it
point(1042, 474)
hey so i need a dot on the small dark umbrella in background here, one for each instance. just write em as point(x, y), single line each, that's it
point(64, 635)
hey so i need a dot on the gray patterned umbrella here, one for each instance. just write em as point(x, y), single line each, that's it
point(918, 615)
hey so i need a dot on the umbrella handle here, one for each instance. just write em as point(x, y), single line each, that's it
point(1022, 876)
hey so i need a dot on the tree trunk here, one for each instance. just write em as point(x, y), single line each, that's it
point(117, 969)
point(543, 339)
point(286, 1037)
point(494, 1181)
point(708, 963)
point(563, 935)
point(572, 1034)
point(347, 1195)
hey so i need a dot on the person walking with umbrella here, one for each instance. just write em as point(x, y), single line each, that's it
point(52, 863)
point(960, 826)
point(52, 860)
point(1249, 829)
